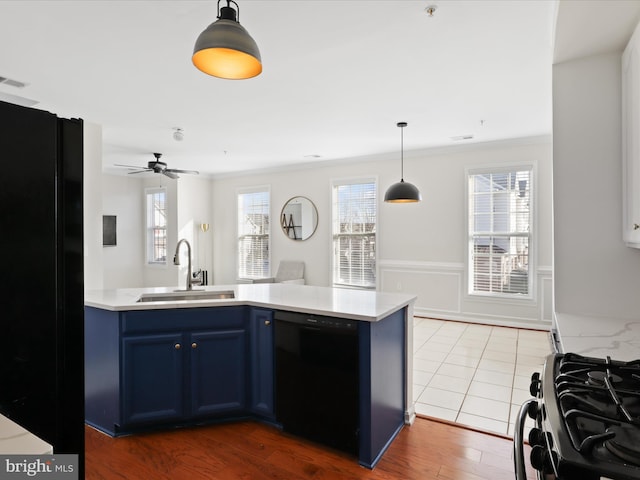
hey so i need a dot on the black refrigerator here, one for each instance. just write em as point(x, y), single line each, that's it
point(41, 272)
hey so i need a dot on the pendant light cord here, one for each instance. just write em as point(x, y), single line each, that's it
point(401, 154)
point(402, 125)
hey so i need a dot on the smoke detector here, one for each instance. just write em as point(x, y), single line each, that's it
point(178, 134)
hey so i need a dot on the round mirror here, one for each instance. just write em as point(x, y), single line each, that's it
point(299, 218)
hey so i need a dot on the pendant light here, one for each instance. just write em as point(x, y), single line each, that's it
point(225, 49)
point(402, 192)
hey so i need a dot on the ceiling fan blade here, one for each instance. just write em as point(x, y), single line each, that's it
point(189, 172)
point(170, 174)
point(141, 171)
point(128, 166)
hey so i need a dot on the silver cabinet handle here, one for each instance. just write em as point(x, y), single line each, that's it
point(177, 346)
point(194, 345)
point(267, 322)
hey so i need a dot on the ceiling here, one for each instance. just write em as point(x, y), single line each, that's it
point(338, 76)
point(584, 27)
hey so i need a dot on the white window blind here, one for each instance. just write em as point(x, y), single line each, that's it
point(500, 232)
point(253, 234)
point(354, 217)
point(156, 202)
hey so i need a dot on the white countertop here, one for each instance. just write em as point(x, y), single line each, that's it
point(364, 305)
point(599, 337)
point(15, 440)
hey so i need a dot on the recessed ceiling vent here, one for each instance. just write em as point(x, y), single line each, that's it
point(462, 137)
point(12, 83)
point(18, 100)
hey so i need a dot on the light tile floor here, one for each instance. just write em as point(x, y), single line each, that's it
point(475, 375)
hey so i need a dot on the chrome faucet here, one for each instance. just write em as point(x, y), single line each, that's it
point(176, 261)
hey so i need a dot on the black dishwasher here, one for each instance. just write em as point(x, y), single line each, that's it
point(317, 390)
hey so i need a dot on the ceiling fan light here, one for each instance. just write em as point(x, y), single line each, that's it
point(226, 50)
point(402, 192)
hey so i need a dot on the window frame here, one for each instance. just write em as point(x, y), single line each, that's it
point(150, 244)
point(530, 296)
point(251, 190)
point(334, 265)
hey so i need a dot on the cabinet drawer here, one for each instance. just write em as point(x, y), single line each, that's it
point(182, 318)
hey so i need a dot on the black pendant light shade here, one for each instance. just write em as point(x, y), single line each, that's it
point(225, 49)
point(402, 192)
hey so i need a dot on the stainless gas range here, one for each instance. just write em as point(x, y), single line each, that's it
point(587, 416)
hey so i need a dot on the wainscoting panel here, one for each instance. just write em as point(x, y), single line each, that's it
point(441, 293)
point(437, 287)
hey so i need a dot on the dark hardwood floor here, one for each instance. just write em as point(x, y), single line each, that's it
point(254, 451)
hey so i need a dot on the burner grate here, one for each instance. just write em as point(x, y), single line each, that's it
point(625, 444)
point(599, 402)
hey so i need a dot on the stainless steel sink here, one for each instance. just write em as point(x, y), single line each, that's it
point(186, 295)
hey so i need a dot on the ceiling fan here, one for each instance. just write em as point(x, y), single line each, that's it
point(156, 166)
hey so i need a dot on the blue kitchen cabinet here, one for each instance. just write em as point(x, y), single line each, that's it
point(262, 362)
point(217, 372)
point(152, 376)
point(171, 367)
point(156, 368)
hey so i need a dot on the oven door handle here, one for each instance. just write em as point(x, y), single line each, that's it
point(518, 440)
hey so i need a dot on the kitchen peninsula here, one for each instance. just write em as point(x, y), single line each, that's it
point(155, 359)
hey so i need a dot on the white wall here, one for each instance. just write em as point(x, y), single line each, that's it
point(421, 247)
point(594, 272)
point(283, 185)
point(194, 209)
point(189, 205)
point(161, 275)
point(123, 198)
point(92, 206)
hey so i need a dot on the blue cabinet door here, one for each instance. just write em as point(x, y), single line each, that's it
point(152, 378)
point(262, 362)
point(218, 372)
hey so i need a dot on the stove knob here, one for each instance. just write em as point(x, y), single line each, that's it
point(540, 459)
point(536, 437)
point(534, 388)
point(533, 410)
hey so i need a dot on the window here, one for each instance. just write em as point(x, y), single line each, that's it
point(156, 199)
point(354, 233)
point(253, 233)
point(500, 232)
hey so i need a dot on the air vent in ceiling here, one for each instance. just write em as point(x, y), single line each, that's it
point(12, 83)
point(7, 97)
point(17, 100)
point(462, 137)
